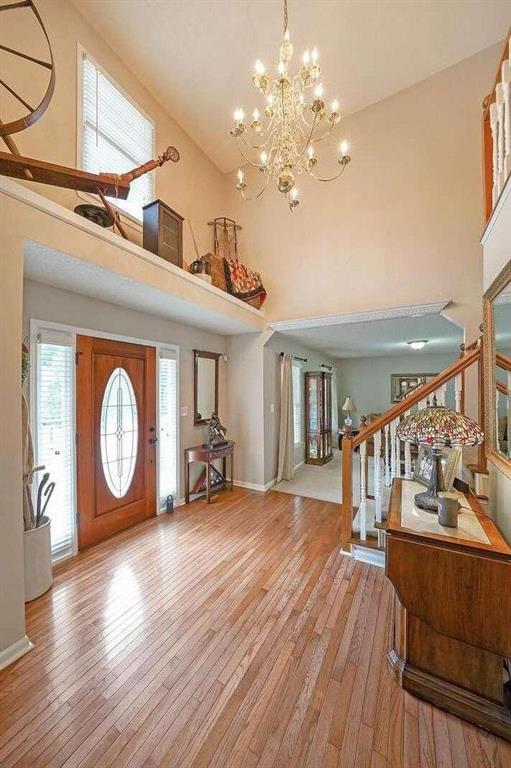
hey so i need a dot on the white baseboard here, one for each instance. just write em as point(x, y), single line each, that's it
point(255, 486)
point(370, 556)
point(15, 652)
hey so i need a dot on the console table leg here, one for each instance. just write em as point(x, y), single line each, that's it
point(232, 471)
point(208, 483)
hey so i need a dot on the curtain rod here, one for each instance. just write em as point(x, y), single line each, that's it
point(330, 367)
point(295, 357)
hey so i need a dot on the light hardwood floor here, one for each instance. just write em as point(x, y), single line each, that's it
point(234, 635)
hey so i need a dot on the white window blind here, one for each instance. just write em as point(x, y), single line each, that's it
point(54, 433)
point(297, 402)
point(167, 414)
point(116, 135)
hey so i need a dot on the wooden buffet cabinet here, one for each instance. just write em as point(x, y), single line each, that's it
point(451, 623)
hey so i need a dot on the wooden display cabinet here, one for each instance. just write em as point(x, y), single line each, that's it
point(318, 417)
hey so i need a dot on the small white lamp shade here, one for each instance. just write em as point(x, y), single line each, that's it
point(349, 405)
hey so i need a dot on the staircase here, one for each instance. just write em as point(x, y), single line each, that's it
point(364, 502)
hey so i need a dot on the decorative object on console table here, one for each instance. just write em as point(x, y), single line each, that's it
point(163, 232)
point(438, 427)
point(451, 621)
point(216, 433)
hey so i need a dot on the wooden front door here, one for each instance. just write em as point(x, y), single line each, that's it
point(116, 436)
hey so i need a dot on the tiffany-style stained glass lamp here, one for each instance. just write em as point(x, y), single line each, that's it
point(439, 427)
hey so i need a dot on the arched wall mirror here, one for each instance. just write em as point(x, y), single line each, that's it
point(497, 370)
point(205, 385)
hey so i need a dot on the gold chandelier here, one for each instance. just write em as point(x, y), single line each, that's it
point(294, 121)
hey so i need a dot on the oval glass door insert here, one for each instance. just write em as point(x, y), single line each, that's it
point(119, 433)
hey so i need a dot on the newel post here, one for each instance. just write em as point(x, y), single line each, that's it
point(347, 492)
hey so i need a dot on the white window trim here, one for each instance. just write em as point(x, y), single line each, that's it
point(36, 326)
point(126, 217)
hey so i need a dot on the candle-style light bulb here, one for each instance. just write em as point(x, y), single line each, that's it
point(240, 176)
point(334, 105)
point(315, 55)
point(344, 147)
point(310, 151)
point(306, 57)
point(281, 68)
point(264, 158)
point(294, 193)
point(259, 67)
point(239, 115)
point(270, 99)
point(286, 35)
point(256, 114)
point(318, 91)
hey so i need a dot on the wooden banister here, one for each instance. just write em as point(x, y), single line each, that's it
point(503, 361)
point(427, 389)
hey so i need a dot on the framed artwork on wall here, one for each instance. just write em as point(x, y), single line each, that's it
point(403, 384)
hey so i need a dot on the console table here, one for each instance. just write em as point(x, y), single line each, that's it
point(451, 624)
point(207, 456)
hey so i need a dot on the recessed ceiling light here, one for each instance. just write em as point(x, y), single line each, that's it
point(417, 344)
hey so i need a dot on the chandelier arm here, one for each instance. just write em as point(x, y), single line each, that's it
point(254, 146)
point(331, 178)
point(310, 139)
point(249, 161)
point(255, 197)
point(327, 133)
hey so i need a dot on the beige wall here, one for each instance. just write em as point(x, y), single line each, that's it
point(12, 614)
point(194, 187)
point(403, 224)
point(43, 302)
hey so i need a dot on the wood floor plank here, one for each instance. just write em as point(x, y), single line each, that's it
point(231, 636)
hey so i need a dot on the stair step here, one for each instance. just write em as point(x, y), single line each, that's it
point(370, 542)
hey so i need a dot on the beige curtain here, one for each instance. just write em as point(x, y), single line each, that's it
point(286, 465)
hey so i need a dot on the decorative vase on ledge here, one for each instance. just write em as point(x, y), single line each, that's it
point(38, 571)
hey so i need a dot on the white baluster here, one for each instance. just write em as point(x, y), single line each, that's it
point(393, 448)
point(377, 476)
point(387, 462)
point(363, 491)
point(494, 120)
point(506, 88)
point(440, 394)
point(458, 389)
point(499, 97)
point(422, 404)
point(408, 457)
point(508, 413)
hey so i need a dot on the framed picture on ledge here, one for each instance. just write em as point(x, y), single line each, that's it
point(449, 461)
point(403, 384)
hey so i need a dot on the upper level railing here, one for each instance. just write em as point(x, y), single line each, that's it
point(497, 132)
point(363, 512)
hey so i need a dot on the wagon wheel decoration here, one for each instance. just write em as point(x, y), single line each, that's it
point(32, 114)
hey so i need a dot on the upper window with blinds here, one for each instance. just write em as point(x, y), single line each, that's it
point(116, 135)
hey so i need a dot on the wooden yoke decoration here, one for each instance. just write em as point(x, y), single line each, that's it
point(15, 165)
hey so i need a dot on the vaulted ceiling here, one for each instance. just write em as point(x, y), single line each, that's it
point(197, 56)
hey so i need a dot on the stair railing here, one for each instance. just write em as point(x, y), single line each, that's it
point(496, 132)
point(387, 462)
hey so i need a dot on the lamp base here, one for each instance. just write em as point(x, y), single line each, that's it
point(427, 502)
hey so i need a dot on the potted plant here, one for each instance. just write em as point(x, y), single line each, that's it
point(36, 536)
